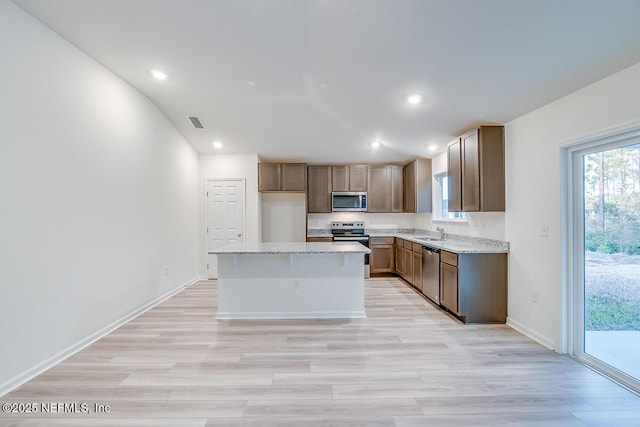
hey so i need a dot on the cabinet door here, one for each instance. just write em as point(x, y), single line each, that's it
point(399, 259)
point(319, 189)
point(382, 258)
point(417, 270)
point(319, 239)
point(449, 286)
point(379, 194)
point(396, 188)
point(268, 177)
point(293, 176)
point(409, 190)
point(358, 178)
point(408, 264)
point(470, 172)
point(454, 174)
point(340, 178)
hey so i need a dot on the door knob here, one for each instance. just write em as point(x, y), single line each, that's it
point(239, 234)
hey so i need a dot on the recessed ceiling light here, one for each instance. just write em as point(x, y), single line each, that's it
point(414, 99)
point(377, 143)
point(217, 145)
point(158, 74)
point(433, 147)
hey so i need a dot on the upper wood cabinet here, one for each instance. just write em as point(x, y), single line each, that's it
point(475, 164)
point(379, 184)
point(454, 174)
point(294, 176)
point(279, 177)
point(268, 177)
point(349, 177)
point(319, 189)
point(396, 188)
point(385, 188)
point(417, 186)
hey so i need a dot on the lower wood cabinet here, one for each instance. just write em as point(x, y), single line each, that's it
point(382, 258)
point(417, 269)
point(408, 265)
point(449, 286)
point(319, 239)
point(399, 258)
point(474, 286)
point(408, 262)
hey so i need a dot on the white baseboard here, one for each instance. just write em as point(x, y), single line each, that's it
point(291, 315)
point(18, 380)
point(545, 341)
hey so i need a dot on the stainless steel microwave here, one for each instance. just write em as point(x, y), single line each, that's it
point(348, 201)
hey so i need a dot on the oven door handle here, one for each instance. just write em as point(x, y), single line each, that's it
point(350, 239)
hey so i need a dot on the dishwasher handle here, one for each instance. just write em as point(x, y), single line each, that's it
point(431, 251)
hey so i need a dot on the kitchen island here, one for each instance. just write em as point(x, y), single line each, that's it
point(291, 280)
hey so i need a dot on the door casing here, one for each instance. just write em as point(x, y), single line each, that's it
point(210, 266)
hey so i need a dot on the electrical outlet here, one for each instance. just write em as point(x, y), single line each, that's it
point(544, 231)
point(166, 271)
point(534, 296)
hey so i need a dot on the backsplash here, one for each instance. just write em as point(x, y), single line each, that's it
point(371, 220)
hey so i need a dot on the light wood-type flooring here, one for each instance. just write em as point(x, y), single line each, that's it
point(406, 364)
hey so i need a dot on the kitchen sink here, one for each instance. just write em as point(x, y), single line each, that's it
point(429, 239)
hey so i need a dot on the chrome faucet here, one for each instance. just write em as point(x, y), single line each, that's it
point(441, 230)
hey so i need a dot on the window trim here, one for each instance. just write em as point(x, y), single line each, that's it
point(439, 195)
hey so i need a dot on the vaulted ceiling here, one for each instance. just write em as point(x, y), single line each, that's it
point(319, 80)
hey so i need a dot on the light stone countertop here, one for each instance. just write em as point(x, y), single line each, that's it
point(452, 243)
point(271, 248)
point(483, 246)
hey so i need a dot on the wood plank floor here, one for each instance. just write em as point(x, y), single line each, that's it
point(406, 364)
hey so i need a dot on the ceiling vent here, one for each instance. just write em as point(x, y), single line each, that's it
point(196, 123)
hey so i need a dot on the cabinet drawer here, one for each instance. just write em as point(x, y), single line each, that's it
point(407, 244)
point(449, 258)
point(319, 239)
point(381, 241)
point(398, 242)
point(416, 247)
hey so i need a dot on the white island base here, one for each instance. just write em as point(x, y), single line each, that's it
point(291, 285)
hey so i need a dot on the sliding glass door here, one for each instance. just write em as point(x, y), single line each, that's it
point(606, 198)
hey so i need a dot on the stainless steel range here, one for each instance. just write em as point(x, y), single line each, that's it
point(352, 232)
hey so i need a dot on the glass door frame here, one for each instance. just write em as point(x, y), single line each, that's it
point(573, 324)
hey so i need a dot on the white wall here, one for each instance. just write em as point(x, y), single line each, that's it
point(100, 193)
point(284, 217)
point(534, 193)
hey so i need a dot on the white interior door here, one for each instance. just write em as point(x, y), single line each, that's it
point(225, 217)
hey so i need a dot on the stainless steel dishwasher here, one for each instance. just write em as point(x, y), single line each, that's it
point(431, 273)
